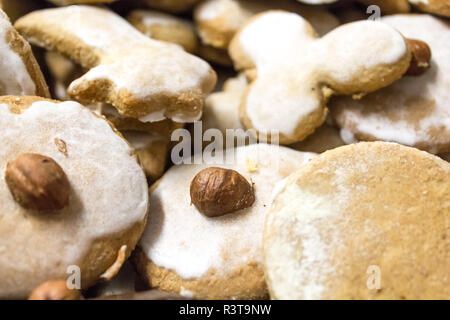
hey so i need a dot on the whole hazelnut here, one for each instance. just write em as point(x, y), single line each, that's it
point(54, 290)
point(37, 182)
point(217, 191)
point(421, 56)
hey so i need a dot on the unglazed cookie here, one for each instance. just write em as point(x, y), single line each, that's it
point(218, 20)
point(107, 203)
point(414, 110)
point(439, 7)
point(143, 78)
point(294, 73)
point(185, 252)
point(17, 8)
point(366, 221)
point(171, 5)
point(20, 73)
point(165, 27)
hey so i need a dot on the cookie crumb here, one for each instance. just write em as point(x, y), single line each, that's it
point(62, 146)
point(252, 166)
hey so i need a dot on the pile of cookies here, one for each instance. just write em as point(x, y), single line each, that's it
point(335, 185)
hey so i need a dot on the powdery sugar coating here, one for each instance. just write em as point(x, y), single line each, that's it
point(369, 204)
point(181, 239)
point(414, 110)
point(293, 66)
point(109, 192)
point(14, 77)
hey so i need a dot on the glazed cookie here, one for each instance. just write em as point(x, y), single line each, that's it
point(218, 20)
point(325, 138)
point(143, 78)
point(171, 5)
point(366, 221)
point(439, 7)
point(165, 27)
point(213, 257)
point(89, 212)
point(414, 110)
point(294, 73)
point(20, 73)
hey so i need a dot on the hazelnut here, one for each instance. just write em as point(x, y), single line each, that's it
point(421, 56)
point(54, 290)
point(37, 182)
point(217, 191)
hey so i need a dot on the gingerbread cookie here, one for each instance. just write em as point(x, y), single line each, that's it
point(165, 27)
point(439, 7)
point(20, 73)
point(143, 78)
point(69, 2)
point(294, 73)
point(209, 256)
point(88, 212)
point(366, 221)
point(219, 20)
point(414, 110)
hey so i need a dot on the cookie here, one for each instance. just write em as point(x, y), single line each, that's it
point(294, 73)
point(143, 78)
point(439, 7)
point(366, 221)
point(212, 257)
point(218, 21)
point(414, 110)
point(21, 74)
point(176, 6)
point(17, 8)
point(105, 206)
point(165, 27)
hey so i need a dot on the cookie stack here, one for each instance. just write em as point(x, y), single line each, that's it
point(351, 200)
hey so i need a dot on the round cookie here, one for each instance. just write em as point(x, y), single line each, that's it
point(366, 221)
point(413, 111)
point(108, 200)
point(293, 72)
point(165, 27)
point(212, 258)
point(20, 73)
point(218, 21)
point(439, 7)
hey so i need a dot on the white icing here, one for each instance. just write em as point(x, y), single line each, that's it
point(179, 238)
point(14, 77)
point(289, 59)
point(109, 192)
point(419, 1)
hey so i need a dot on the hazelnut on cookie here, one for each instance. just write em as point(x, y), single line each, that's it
point(73, 197)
